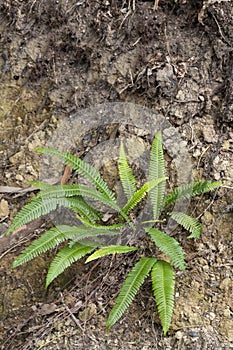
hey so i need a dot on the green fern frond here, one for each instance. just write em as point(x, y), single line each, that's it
point(91, 225)
point(85, 221)
point(65, 258)
point(163, 284)
point(140, 194)
point(105, 227)
point(190, 190)
point(126, 175)
point(40, 185)
point(83, 209)
point(130, 287)
point(156, 171)
point(168, 246)
point(78, 233)
point(56, 235)
point(49, 240)
point(189, 223)
point(53, 191)
point(82, 168)
point(111, 249)
point(38, 207)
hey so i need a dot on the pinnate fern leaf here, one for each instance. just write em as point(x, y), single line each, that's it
point(106, 227)
point(54, 191)
point(189, 223)
point(140, 194)
point(36, 208)
point(65, 258)
point(126, 175)
point(156, 171)
point(83, 209)
point(82, 168)
point(49, 240)
point(169, 246)
point(78, 233)
point(129, 289)
point(56, 235)
point(39, 206)
point(163, 285)
point(90, 173)
point(111, 249)
point(51, 191)
point(190, 190)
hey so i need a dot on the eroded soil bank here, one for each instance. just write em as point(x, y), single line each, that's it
point(57, 57)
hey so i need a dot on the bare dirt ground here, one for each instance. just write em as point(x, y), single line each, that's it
point(57, 57)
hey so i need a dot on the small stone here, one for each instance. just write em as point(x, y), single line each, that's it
point(34, 308)
point(225, 284)
point(4, 208)
point(197, 153)
point(212, 246)
point(226, 145)
point(47, 309)
point(207, 218)
point(19, 177)
point(31, 170)
point(206, 268)
point(216, 160)
point(226, 329)
point(227, 313)
point(217, 176)
point(17, 157)
point(179, 335)
point(88, 313)
point(202, 261)
point(193, 334)
point(209, 134)
point(214, 298)
point(211, 316)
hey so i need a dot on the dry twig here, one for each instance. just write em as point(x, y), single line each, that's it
point(156, 4)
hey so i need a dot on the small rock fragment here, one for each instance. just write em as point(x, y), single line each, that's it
point(193, 334)
point(179, 335)
point(17, 157)
point(209, 134)
point(226, 284)
point(4, 208)
point(88, 313)
point(207, 218)
point(19, 177)
point(226, 145)
point(211, 316)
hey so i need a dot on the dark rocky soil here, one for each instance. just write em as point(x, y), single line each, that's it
point(57, 57)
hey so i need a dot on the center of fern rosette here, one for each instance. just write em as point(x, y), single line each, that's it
point(106, 126)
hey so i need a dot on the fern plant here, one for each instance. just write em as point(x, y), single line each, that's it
point(85, 239)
